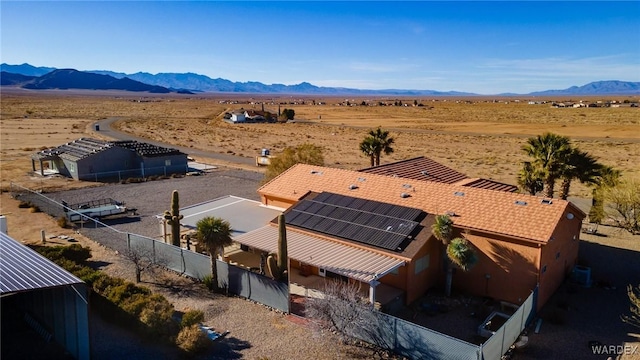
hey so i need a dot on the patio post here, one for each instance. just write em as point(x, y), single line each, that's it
point(372, 291)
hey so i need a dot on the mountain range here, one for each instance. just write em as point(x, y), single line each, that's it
point(31, 77)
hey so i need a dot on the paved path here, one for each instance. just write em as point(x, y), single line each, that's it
point(106, 129)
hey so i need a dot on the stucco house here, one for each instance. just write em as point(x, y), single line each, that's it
point(95, 160)
point(376, 229)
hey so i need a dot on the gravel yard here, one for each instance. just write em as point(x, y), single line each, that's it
point(152, 198)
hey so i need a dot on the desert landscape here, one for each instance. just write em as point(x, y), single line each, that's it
point(479, 136)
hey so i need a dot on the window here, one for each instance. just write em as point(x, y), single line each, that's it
point(544, 269)
point(395, 271)
point(421, 264)
point(72, 167)
point(558, 255)
point(167, 162)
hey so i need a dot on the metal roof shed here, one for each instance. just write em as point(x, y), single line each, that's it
point(54, 300)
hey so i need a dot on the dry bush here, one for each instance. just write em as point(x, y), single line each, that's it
point(63, 222)
point(192, 340)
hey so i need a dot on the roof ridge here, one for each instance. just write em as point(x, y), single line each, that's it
point(396, 162)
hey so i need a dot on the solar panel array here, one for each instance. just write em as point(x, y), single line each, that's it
point(146, 149)
point(366, 221)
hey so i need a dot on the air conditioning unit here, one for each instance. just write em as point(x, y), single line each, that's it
point(322, 272)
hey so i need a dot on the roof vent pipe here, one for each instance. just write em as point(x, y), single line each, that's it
point(404, 195)
point(353, 187)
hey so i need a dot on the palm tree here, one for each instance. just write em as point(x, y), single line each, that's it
point(368, 147)
point(549, 151)
point(442, 229)
point(214, 233)
point(581, 166)
point(377, 142)
point(461, 252)
point(608, 178)
point(529, 179)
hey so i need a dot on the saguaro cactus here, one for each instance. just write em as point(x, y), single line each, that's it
point(278, 264)
point(173, 218)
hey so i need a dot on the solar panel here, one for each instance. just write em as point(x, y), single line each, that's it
point(366, 221)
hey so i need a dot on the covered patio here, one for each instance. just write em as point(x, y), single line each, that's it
point(313, 259)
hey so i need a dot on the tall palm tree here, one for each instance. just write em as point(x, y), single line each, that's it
point(377, 142)
point(530, 179)
point(461, 252)
point(368, 147)
point(608, 178)
point(581, 166)
point(214, 233)
point(549, 151)
point(442, 229)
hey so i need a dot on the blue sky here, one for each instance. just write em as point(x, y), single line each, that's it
point(480, 47)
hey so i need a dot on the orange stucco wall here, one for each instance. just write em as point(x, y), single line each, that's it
point(277, 202)
point(506, 270)
point(559, 256)
point(418, 284)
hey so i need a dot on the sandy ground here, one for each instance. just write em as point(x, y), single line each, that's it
point(481, 137)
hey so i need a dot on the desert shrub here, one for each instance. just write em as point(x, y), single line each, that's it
point(207, 280)
point(104, 282)
point(192, 317)
point(63, 222)
point(192, 340)
point(135, 304)
point(119, 294)
point(24, 204)
point(76, 253)
point(87, 274)
point(34, 209)
point(157, 316)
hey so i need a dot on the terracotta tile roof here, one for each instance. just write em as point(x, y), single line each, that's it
point(517, 215)
point(420, 168)
point(487, 184)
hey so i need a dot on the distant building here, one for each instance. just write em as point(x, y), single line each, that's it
point(97, 160)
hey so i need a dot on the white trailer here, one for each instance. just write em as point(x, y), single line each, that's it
point(95, 209)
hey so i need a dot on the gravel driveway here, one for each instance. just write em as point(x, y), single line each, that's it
point(154, 197)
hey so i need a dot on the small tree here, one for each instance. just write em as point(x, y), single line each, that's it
point(442, 229)
point(548, 152)
point(375, 143)
point(287, 114)
point(624, 205)
point(461, 252)
point(302, 154)
point(345, 312)
point(143, 259)
point(609, 178)
point(215, 234)
point(529, 179)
